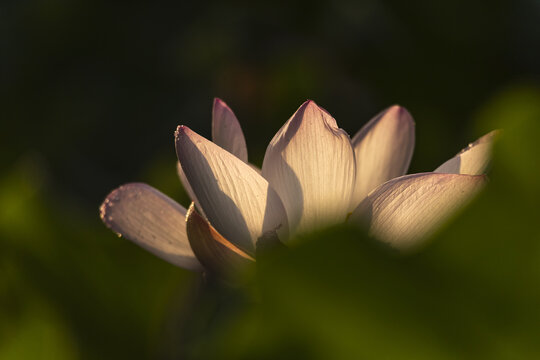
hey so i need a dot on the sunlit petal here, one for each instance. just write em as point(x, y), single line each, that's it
point(473, 160)
point(405, 210)
point(237, 201)
point(216, 253)
point(310, 162)
point(383, 149)
point(226, 130)
point(152, 220)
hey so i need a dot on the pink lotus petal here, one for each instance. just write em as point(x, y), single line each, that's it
point(152, 220)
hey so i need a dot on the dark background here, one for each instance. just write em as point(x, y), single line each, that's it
point(90, 95)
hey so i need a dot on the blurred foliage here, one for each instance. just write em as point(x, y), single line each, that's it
point(91, 93)
point(65, 283)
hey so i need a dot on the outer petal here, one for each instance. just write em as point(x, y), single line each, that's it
point(407, 209)
point(226, 130)
point(216, 253)
point(383, 149)
point(152, 220)
point(237, 201)
point(310, 162)
point(473, 160)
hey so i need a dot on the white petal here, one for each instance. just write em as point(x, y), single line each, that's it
point(473, 160)
point(383, 149)
point(407, 209)
point(152, 220)
point(237, 201)
point(226, 130)
point(310, 162)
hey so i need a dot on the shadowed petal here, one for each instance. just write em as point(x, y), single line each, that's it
point(407, 209)
point(227, 133)
point(226, 130)
point(237, 201)
point(383, 149)
point(216, 253)
point(187, 186)
point(152, 220)
point(473, 160)
point(310, 162)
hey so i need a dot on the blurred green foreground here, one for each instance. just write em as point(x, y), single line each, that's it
point(69, 289)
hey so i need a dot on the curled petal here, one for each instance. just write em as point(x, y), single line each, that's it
point(236, 200)
point(152, 220)
point(405, 210)
point(310, 162)
point(226, 130)
point(383, 149)
point(216, 253)
point(473, 160)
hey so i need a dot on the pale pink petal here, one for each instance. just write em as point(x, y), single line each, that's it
point(408, 209)
point(226, 130)
point(310, 162)
point(152, 220)
point(383, 149)
point(237, 201)
point(473, 160)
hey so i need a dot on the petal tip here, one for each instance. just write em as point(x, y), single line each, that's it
point(111, 200)
point(310, 108)
point(218, 102)
point(400, 113)
point(179, 130)
point(308, 105)
point(182, 130)
point(489, 137)
point(104, 208)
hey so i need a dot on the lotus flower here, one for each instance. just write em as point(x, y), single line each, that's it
point(313, 176)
